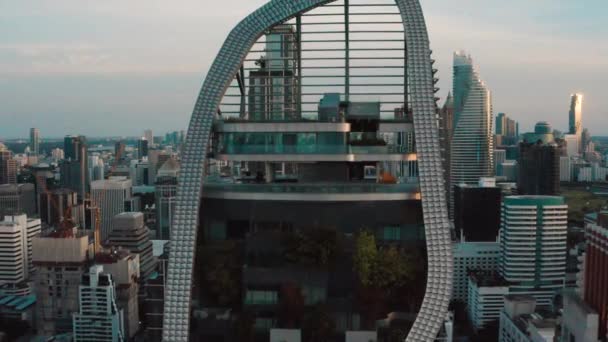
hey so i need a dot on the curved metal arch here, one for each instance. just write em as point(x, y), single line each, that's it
point(176, 320)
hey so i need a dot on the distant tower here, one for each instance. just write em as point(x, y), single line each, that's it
point(34, 141)
point(74, 169)
point(149, 136)
point(576, 118)
point(8, 166)
point(142, 148)
point(472, 142)
point(539, 162)
point(119, 151)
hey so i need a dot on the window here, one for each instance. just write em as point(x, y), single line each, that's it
point(391, 233)
point(254, 297)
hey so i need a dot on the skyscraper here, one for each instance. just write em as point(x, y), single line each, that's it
point(109, 196)
point(533, 245)
point(539, 162)
point(8, 166)
point(472, 142)
point(142, 148)
point(507, 130)
point(98, 318)
point(576, 118)
point(74, 172)
point(34, 141)
point(166, 196)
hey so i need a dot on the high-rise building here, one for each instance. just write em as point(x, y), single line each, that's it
point(576, 119)
point(96, 167)
point(507, 130)
point(119, 151)
point(110, 196)
point(31, 228)
point(477, 211)
point(142, 148)
point(34, 141)
point(472, 143)
point(8, 166)
point(596, 264)
point(17, 199)
point(74, 171)
point(534, 245)
point(98, 317)
point(57, 154)
point(565, 169)
point(273, 87)
point(586, 141)
point(149, 137)
point(351, 163)
point(124, 268)
point(501, 124)
point(166, 197)
point(60, 258)
point(130, 232)
point(139, 172)
point(539, 162)
point(13, 252)
point(572, 145)
point(500, 156)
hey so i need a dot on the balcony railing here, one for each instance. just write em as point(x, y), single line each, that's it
point(312, 149)
point(327, 188)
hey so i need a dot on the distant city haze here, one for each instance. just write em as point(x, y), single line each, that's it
point(112, 68)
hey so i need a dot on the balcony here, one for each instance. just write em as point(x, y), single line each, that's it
point(312, 191)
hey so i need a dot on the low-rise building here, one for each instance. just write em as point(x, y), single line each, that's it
point(472, 256)
point(487, 291)
point(519, 321)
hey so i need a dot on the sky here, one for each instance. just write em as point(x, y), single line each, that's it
point(115, 67)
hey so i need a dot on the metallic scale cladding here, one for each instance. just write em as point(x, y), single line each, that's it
point(230, 58)
point(472, 142)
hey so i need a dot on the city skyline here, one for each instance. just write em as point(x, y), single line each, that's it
point(76, 74)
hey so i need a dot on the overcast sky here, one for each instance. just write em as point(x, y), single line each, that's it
point(115, 67)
